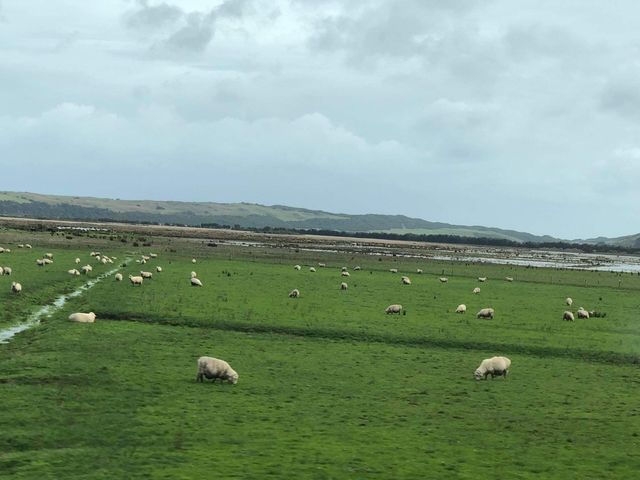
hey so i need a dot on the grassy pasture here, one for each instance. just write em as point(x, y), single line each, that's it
point(330, 386)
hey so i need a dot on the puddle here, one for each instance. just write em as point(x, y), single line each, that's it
point(34, 319)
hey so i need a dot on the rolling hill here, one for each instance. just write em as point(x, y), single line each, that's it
point(246, 215)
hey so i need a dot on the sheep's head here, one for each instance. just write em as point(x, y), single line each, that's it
point(478, 374)
point(233, 378)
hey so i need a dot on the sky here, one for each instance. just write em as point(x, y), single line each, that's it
point(514, 114)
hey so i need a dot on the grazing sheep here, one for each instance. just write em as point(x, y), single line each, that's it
point(195, 282)
point(214, 368)
point(5, 271)
point(40, 262)
point(118, 277)
point(395, 308)
point(462, 308)
point(143, 261)
point(297, 267)
point(444, 279)
point(322, 265)
point(406, 281)
point(47, 261)
point(1, 271)
point(7, 250)
point(193, 275)
point(73, 271)
point(86, 269)
point(494, 366)
point(1, 250)
point(357, 267)
point(158, 269)
point(476, 290)
point(49, 256)
point(509, 279)
point(485, 313)
point(16, 287)
point(93, 254)
point(343, 286)
point(582, 313)
point(569, 301)
point(568, 316)
point(146, 274)
point(26, 245)
point(295, 293)
point(137, 280)
point(21, 245)
point(311, 269)
point(98, 258)
point(345, 274)
point(419, 270)
point(153, 255)
point(193, 260)
point(83, 317)
point(77, 260)
point(482, 279)
point(393, 270)
point(344, 269)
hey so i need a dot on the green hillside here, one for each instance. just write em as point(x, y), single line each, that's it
point(244, 215)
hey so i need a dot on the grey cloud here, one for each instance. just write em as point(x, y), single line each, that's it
point(622, 98)
point(192, 38)
point(153, 16)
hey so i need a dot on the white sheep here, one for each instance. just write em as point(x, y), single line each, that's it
point(444, 279)
point(568, 316)
point(214, 368)
point(476, 290)
point(5, 271)
point(406, 281)
point(569, 301)
point(393, 270)
point(1, 271)
point(158, 268)
point(297, 267)
point(153, 255)
point(494, 366)
point(7, 250)
point(357, 267)
point(77, 260)
point(509, 279)
point(194, 274)
point(146, 274)
point(40, 262)
point(344, 269)
point(295, 293)
point(21, 245)
point(462, 308)
point(26, 245)
point(47, 261)
point(118, 277)
point(135, 280)
point(193, 260)
point(343, 286)
point(395, 308)
point(312, 269)
point(83, 317)
point(485, 313)
point(482, 279)
point(104, 260)
point(195, 282)
point(86, 269)
point(345, 274)
point(16, 287)
point(49, 256)
point(73, 271)
point(93, 254)
point(322, 264)
point(582, 313)
point(419, 270)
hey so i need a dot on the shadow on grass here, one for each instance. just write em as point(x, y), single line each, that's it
point(612, 358)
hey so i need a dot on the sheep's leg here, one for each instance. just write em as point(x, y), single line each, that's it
point(199, 378)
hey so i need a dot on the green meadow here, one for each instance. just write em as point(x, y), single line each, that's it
point(330, 386)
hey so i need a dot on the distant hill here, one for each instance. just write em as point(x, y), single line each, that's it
point(244, 215)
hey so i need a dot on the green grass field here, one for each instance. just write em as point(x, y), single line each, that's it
point(330, 386)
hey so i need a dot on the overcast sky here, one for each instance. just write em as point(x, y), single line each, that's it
point(515, 114)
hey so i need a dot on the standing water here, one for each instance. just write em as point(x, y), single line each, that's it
point(48, 310)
